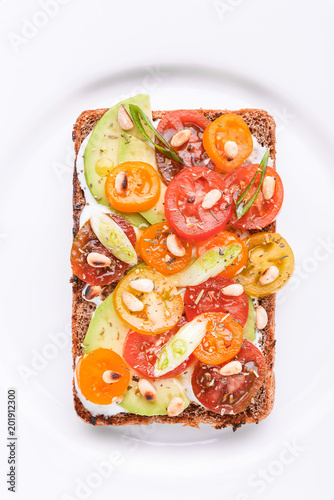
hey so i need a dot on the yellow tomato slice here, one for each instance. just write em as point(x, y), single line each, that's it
point(102, 376)
point(133, 186)
point(229, 127)
point(221, 240)
point(266, 250)
point(162, 307)
point(153, 249)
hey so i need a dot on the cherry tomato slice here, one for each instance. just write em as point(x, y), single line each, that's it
point(86, 242)
point(262, 212)
point(162, 307)
point(233, 393)
point(141, 351)
point(229, 127)
point(183, 204)
point(153, 249)
point(266, 250)
point(192, 152)
point(208, 297)
point(138, 191)
point(222, 340)
point(92, 371)
point(221, 240)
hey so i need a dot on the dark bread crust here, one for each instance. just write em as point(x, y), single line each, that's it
point(262, 126)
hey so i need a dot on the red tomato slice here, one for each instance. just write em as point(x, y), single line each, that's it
point(208, 297)
point(183, 204)
point(86, 242)
point(141, 351)
point(262, 212)
point(230, 394)
point(192, 152)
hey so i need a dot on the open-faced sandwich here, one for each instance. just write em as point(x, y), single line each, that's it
point(176, 262)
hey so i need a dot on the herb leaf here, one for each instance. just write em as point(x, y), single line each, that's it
point(240, 209)
point(137, 114)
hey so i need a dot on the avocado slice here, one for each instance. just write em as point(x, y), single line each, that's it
point(107, 330)
point(249, 328)
point(133, 149)
point(104, 144)
point(167, 389)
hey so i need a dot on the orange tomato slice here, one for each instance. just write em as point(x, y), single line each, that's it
point(226, 128)
point(224, 239)
point(162, 307)
point(138, 191)
point(152, 247)
point(94, 369)
point(222, 341)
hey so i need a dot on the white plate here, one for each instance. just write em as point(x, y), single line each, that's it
point(36, 241)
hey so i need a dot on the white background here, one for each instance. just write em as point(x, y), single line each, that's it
point(82, 55)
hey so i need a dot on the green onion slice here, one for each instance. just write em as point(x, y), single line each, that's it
point(137, 114)
point(180, 346)
point(241, 209)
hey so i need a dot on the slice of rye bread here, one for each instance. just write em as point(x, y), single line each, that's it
point(262, 126)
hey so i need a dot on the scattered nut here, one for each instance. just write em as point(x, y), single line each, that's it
point(211, 198)
point(233, 290)
point(175, 246)
point(232, 368)
point(261, 317)
point(109, 376)
point(231, 150)
point(269, 275)
point(180, 138)
point(91, 291)
point(142, 285)
point(124, 119)
point(147, 390)
point(95, 259)
point(131, 302)
point(268, 187)
point(121, 182)
point(175, 407)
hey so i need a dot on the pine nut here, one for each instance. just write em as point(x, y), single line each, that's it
point(142, 285)
point(124, 119)
point(95, 259)
point(121, 182)
point(91, 291)
point(180, 138)
point(232, 368)
point(147, 390)
point(268, 187)
point(175, 246)
point(231, 150)
point(269, 275)
point(110, 377)
point(131, 302)
point(211, 198)
point(175, 407)
point(261, 317)
point(234, 290)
